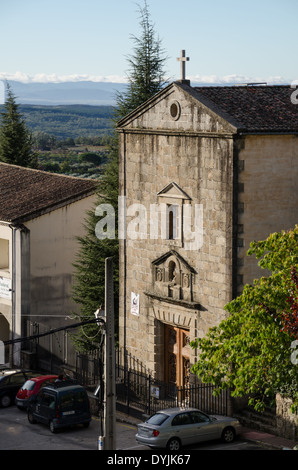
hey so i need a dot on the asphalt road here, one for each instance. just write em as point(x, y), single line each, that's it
point(16, 433)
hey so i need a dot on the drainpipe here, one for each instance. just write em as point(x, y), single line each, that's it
point(13, 283)
point(124, 253)
point(15, 356)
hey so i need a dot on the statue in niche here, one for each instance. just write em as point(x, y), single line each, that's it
point(159, 274)
point(172, 274)
point(185, 278)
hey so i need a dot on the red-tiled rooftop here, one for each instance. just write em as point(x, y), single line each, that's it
point(27, 193)
point(254, 108)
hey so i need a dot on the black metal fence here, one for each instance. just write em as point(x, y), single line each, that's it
point(138, 393)
point(89, 368)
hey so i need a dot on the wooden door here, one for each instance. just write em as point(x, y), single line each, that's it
point(177, 354)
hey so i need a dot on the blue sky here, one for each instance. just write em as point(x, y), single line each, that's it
point(227, 40)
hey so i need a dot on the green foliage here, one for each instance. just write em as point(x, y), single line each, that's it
point(89, 286)
point(69, 121)
point(249, 352)
point(91, 157)
point(73, 162)
point(146, 73)
point(15, 139)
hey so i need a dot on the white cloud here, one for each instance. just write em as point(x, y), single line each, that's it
point(210, 79)
point(56, 78)
point(237, 79)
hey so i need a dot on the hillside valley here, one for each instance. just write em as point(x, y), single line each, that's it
point(68, 121)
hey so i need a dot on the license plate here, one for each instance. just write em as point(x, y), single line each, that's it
point(66, 413)
point(144, 432)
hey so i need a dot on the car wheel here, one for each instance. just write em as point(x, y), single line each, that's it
point(228, 435)
point(52, 427)
point(5, 401)
point(174, 444)
point(30, 418)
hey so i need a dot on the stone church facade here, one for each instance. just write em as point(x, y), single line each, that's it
point(203, 172)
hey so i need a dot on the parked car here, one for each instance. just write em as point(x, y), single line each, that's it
point(175, 427)
point(60, 405)
point(10, 382)
point(31, 388)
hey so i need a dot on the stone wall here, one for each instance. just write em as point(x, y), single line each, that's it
point(267, 198)
point(202, 167)
point(286, 421)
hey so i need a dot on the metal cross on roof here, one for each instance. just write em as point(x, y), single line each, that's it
point(182, 59)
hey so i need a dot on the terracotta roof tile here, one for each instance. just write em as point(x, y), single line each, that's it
point(27, 193)
point(255, 108)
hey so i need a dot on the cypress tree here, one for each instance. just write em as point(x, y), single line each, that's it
point(145, 79)
point(146, 67)
point(15, 138)
point(89, 286)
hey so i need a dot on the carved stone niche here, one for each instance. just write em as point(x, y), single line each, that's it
point(173, 277)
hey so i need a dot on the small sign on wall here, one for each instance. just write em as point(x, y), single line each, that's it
point(135, 304)
point(5, 288)
point(154, 391)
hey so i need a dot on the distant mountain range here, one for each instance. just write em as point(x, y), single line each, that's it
point(81, 92)
point(68, 93)
point(77, 92)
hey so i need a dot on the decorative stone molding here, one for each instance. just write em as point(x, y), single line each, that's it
point(182, 320)
point(173, 277)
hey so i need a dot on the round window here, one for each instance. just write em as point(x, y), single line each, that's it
point(175, 110)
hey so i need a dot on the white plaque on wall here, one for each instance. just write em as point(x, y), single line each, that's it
point(135, 304)
point(5, 288)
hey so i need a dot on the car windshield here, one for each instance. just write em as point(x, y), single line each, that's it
point(28, 385)
point(157, 419)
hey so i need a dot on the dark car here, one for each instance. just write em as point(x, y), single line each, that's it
point(10, 383)
point(31, 388)
point(60, 405)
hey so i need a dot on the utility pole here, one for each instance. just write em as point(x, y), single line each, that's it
point(107, 442)
point(2, 353)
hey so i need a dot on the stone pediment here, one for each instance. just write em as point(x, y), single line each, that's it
point(178, 108)
point(173, 253)
point(173, 190)
point(173, 277)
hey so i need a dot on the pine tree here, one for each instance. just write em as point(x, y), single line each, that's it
point(15, 139)
point(145, 79)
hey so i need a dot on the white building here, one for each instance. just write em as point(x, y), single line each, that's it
point(41, 214)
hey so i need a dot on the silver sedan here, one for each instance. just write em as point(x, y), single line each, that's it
point(175, 427)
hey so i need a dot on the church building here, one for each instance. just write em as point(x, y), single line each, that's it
point(203, 172)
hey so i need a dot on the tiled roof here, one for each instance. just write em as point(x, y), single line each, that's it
point(27, 193)
point(255, 108)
